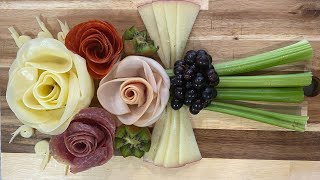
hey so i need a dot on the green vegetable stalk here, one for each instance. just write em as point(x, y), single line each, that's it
point(289, 95)
point(284, 80)
point(287, 121)
point(132, 140)
point(137, 43)
point(293, 53)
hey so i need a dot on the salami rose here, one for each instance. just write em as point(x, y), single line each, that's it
point(87, 142)
point(98, 42)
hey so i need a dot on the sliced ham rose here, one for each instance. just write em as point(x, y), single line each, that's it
point(98, 42)
point(88, 141)
point(136, 91)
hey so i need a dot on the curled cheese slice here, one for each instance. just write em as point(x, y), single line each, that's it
point(61, 36)
point(47, 85)
point(24, 131)
point(42, 149)
point(45, 33)
point(19, 40)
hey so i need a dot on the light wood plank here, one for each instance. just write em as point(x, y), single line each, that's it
point(22, 166)
point(82, 4)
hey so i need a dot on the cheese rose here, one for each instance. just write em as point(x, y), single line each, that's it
point(47, 85)
point(136, 91)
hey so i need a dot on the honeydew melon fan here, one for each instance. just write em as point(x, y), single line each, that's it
point(51, 86)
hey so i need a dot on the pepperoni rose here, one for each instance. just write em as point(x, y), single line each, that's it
point(88, 141)
point(98, 42)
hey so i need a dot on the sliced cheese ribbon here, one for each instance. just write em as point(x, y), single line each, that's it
point(47, 85)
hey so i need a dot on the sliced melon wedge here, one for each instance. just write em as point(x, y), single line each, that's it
point(162, 149)
point(188, 148)
point(155, 138)
point(172, 154)
point(186, 16)
point(170, 9)
point(159, 13)
point(149, 20)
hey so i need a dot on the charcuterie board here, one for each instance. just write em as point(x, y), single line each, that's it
point(227, 30)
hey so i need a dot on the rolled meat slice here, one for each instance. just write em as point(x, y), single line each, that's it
point(98, 42)
point(88, 141)
point(138, 88)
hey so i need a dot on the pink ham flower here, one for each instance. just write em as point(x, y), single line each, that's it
point(136, 91)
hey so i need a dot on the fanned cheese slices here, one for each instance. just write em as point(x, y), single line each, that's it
point(173, 143)
point(169, 24)
point(47, 85)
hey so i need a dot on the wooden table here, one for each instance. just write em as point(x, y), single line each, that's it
point(232, 148)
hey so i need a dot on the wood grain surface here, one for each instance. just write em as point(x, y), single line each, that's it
point(19, 166)
point(227, 29)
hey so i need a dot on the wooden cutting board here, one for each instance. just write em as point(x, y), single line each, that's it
point(233, 148)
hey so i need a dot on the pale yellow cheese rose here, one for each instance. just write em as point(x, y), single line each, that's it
point(48, 85)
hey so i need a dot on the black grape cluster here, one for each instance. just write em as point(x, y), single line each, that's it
point(194, 81)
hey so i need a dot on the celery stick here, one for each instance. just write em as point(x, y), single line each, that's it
point(290, 95)
point(293, 53)
point(287, 80)
point(281, 116)
point(282, 120)
point(255, 117)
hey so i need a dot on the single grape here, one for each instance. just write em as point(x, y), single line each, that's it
point(215, 83)
point(193, 110)
point(179, 80)
point(188, 101)
point(202, 61)
point(199, 82)
point(194, 68)
point(173, 81)
point(180, 63)
point(189, 74)
point(178, 70)
point(212, 75)
point(179, 93)
point(190, 57)
point(191, 94)
point(207, 95)
point(198, 104)
point(176, 104)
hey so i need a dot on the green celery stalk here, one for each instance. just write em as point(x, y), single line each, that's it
point(286, 80)
point(289, 95)
point(299, 51)
point(287, 121)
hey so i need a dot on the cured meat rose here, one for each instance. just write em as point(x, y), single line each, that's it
point(98, 42)
point(136, 91)
point(87, 142)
